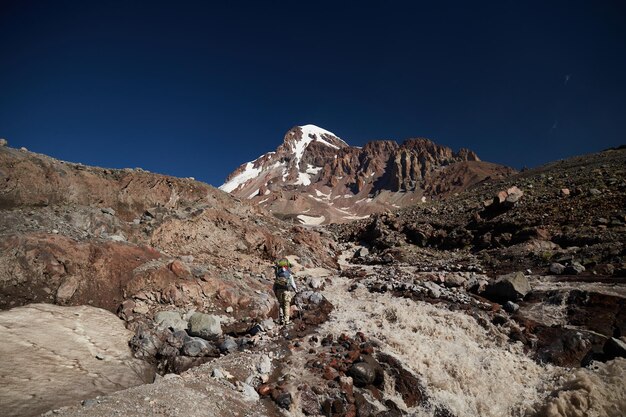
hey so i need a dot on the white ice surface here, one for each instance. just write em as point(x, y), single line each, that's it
point(310, 220)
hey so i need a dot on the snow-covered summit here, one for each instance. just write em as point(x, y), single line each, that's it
point(285, 162)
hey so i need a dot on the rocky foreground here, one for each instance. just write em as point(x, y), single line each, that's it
point(505, 300)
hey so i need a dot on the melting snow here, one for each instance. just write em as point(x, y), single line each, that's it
point(254, 194)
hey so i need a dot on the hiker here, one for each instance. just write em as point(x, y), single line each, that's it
point(284, 288)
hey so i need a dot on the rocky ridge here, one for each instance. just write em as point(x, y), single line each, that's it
point(314, 177)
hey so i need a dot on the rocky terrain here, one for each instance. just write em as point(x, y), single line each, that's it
point(314, 177)
point(502, 299)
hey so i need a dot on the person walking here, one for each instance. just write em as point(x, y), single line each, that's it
point(284, 288)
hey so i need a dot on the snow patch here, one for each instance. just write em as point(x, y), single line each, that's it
point(310, 220)
point(248, 173)
point(303, 179)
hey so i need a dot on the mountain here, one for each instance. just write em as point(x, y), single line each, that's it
point(314, 177)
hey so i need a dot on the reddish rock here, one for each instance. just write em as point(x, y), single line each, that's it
point(264, 390)
point(330, 373)
point(179, 269)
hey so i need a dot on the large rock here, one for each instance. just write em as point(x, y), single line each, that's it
point(508, 287)
point(204, 325)
point(171, 320)
point(54, 356)
point(362, 374)
point(196, 346)
point(557, 268)
point(574, 268)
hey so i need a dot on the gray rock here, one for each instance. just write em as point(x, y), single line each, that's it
point(205, 326)
point(510, 307)
point(574, 268)
point(315, 282)
point(229, 309)
point(171, 320)
point(434, 290)
point(362, 252)
point(511, 287)
point(557, 268)
point(218, 373)
point(3, 142)
point(195, 346)
point(108, 210)
point(316, 298)
point(595, 191)
point(268, 324)
point(229, 345)
point(249, 393)
point(265, 365)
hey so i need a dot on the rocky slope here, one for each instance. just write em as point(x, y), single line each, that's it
point(412, 312)
point(314, 177)
point(137, 243)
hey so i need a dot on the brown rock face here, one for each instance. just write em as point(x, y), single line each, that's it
point(72, 234)
point(314, 177)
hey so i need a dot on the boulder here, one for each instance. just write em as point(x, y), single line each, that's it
point(454, 280)
point(574, 268)
point(508, 287)
point(513, 195)
point(179, 269)
point(3, 142)
point(557, 268)
point(614, 348)
point(195, 346)
point(368, 372)
point(229, 345)
point(434, 290)
point(170, 320)
point(204, 325)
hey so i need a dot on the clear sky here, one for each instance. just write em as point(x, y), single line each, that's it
point(195, 88)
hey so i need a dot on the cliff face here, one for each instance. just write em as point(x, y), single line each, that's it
point(326, 180)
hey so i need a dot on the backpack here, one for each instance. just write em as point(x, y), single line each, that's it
point(282, 273)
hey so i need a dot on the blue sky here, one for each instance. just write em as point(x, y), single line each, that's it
point(195, 89)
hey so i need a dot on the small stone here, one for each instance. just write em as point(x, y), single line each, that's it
point(595, 191)
point(284, 400)
point(265, 365)
point(565, 192)
point(510, 307)
point(229, 309)
point(99, 356)
point(3, 142)
point(108, 210)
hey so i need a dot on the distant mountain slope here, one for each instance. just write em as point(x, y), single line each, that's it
point(317, 178)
